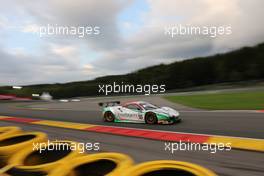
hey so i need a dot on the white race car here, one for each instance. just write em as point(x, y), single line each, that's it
point(139, 112)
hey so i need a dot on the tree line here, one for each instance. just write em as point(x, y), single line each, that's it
point(241, 65)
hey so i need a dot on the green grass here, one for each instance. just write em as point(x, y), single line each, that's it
point(248, 100)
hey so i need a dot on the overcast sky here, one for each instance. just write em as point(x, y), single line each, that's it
point(131, 35)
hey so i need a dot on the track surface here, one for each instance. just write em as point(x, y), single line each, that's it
point(235, 123)
point(228, 163)
point(229, 123)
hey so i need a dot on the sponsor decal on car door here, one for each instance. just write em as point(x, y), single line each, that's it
point(134, 113)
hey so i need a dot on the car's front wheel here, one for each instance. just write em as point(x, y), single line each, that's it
point(109, 117)
point(151, 118)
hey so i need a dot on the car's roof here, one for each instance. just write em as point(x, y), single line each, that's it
point(135, 102)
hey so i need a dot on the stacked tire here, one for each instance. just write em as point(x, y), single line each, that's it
point(42, 160)
point(110, 164)
point(5, 132)
point(12, 144)
point(168, 168)
point(19, 158)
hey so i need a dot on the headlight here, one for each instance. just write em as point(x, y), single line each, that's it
point(177, 113)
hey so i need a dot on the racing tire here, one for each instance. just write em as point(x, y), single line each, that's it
point(109, 116)
point(151, 118)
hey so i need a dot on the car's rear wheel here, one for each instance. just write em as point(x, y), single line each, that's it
point(109, 116)
point(151, 118)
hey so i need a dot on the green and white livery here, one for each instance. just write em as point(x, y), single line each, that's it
point(138, 112)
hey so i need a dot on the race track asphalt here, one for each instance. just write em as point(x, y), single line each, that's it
point(229, 123)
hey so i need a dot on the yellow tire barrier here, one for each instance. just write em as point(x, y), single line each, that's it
point(44, 159)
point(108, 164)
point(168, 168)
point(32, 154)
point(9, 130)
point(5, 132)
point(13, 143)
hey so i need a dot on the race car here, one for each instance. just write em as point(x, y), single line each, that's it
point(138, 112)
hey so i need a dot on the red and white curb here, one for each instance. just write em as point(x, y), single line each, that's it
point(236, 142)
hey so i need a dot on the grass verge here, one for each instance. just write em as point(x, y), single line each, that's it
point(247, 100)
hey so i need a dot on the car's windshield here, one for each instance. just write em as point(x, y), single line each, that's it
point(148, 106)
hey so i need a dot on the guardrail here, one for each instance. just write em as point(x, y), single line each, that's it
point(19, 158)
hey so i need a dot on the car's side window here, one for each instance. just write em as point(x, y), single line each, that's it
point(133, 107)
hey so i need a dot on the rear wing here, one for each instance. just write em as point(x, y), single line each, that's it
point(109, 103)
